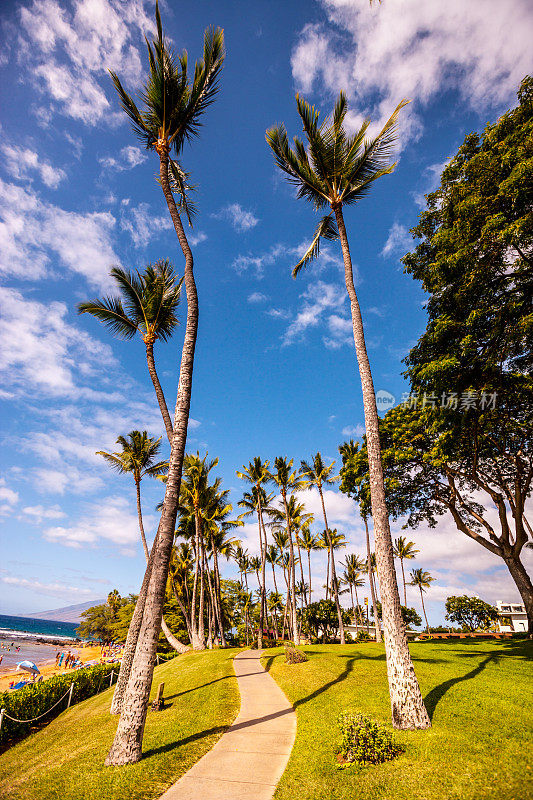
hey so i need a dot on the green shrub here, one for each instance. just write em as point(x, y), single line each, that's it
point(364, 637)
point(365, 742)
point(38, 698)
point(294, 656)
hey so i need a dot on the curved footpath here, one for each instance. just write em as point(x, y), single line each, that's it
point(249, 759)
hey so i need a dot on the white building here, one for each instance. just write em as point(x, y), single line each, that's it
point(515, 613)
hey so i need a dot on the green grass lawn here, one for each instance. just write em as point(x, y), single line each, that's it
point(65, 760)
point(477, 693)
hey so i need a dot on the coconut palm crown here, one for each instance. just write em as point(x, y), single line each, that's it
point(335, 168)
point(174, 101)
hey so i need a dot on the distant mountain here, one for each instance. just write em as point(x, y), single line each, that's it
point(67, 614)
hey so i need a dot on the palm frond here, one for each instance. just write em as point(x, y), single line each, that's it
point(179, 183)
point(109, 310)
point(141, 130)
point(326, 229)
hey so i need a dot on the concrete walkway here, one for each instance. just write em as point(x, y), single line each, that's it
point(249, 759)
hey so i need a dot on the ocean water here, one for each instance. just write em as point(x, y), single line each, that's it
point(17, 635)
point(30, 628)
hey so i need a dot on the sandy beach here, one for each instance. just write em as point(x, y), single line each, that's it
point(42, 654)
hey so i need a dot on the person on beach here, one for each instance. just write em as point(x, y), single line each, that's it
point(57, 657)
point(60, 660)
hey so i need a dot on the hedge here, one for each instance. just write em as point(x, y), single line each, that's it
point(37, 698)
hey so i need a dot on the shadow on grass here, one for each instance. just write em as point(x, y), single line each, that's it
point(195, 688)
point(432, 699)
point(194, 737)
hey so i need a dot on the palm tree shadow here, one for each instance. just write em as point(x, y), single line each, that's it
point(436, 694)
point(340, 677)
point(165, 748)
point(195, 688)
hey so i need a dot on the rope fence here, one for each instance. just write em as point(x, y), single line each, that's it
point(69, 692)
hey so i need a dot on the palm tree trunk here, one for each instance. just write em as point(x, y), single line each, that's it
point(218, 598)
point(261, 584)
point(327, 571)
point(304, 593)
point(353, 612)
point(358, 606)
point(407, 705)
point(274, 576)
point(158, 390)
point(171, 639)
point(334, 586)
point(404, 586)
point(309, 564)
point(292, 577)
point(371, 582)
point(424, 609)
point(127, 745)
point(201, 604)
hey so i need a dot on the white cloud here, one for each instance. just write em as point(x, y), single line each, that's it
point(35, 234)
point(196, 238)
point(129, 158)
point(354, 430)
point(399, 241)
point(278, 313)
point(58, 589)
point(257, 297)
point(109, 520)
point(42, 351)
point(142, 224)
point(72, 48)
point(55, 481)
point(381, 53)
point(318, 298)
point(7, 495)
point(19, 161)
point(240, 219)
point(39, 513)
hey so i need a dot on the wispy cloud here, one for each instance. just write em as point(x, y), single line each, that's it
point(239, 218)
point(142, 224)
point(72, 48)
point(34, 234)
point(398, 49)
point(317, 300)
point(129, 158)
point(399, 241)
point(20, 162)
point(257, 297)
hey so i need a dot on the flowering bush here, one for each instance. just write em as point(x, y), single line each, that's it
point(365, 742)
point(294, 656)
point(37, 698)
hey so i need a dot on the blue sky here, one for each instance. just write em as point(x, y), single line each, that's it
point(275, 369)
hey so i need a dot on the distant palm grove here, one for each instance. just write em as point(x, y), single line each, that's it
point(427, 456)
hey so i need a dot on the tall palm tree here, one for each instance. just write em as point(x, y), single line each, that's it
point(273, 558)
point(298, 517)
point(286, 480)
point(370, 572)
point(308, 542)
point(137, 457)
point(335, 170)
point(173, 107)
point(257, 474)
point(147, 305)
point(404, 550)
point(317, 474)
point(423, 580)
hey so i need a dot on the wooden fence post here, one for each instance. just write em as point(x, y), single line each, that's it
point(70, 695)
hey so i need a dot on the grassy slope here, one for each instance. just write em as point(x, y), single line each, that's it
point(479, 697)
point(65, 759)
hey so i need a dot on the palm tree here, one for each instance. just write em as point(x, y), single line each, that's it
point(423, 580)
point(275, 604)
point(370, 572)
point(137, 458)
point(286, 480)
point(308, 542)
point(173, 107)
point(257, 474)
point(354, 568)
point(148, 306)
point(298, 518)
point(337, 169)
point(402, 550)
point(318, 475)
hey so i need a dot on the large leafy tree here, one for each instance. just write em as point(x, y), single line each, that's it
point(316, 474)
point(471, 613)
point(474, 259)
point(173, 104)
point(335, 169)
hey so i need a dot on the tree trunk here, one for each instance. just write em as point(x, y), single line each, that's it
point(424, 609)
point(309, 564)
point(158, 390)
point(404, 585)
point(127, 745)
point(524, 586)
point(223, 642)
point(261, 584)
point(407, 705)
point(371, 582)
point(292, 577)
point(334, 585)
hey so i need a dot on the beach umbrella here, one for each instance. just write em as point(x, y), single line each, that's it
point(29, 666)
